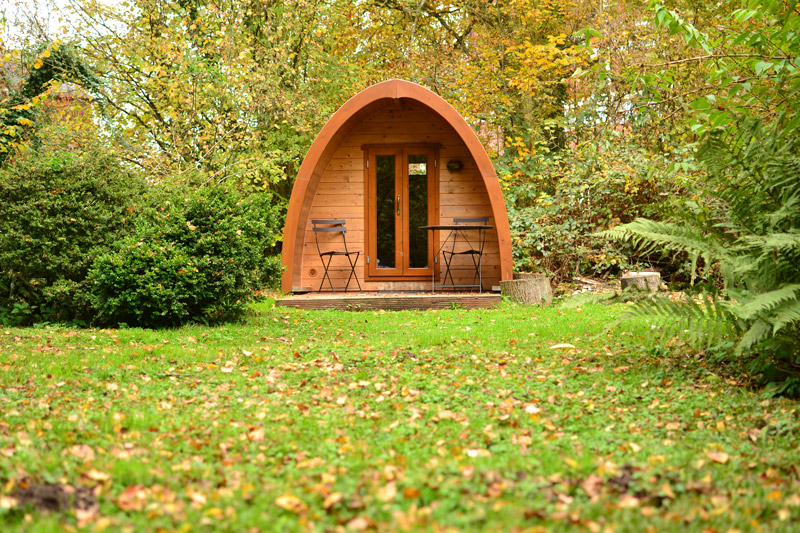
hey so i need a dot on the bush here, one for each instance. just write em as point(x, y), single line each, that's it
point(200, 257)
point(558, 201)
point(57, 214)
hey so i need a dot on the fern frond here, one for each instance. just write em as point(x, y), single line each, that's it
point(765, 302)
point(649, 236)
point(774, 242)
point(758, 332)
point(700, 323)
point(786, 314)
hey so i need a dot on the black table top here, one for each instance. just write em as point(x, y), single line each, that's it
point(456, 226)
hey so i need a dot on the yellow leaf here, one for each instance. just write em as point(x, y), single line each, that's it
point(718, 457)
point(97, 475)
point(628, 501)
point(387, 492)
point(775, 496)
point(7, 502)
point(563, 346)
point(291, 503)
point(332, 499)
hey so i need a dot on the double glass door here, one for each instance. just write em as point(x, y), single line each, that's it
point(402, 195)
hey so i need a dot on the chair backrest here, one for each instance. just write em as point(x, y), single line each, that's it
point(332, 226)
point(471, 245)
point(476, 220)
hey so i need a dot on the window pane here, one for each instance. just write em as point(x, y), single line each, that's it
point(418, 210)
point(385, 203)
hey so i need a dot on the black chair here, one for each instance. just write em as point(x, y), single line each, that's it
point(331, 247)
point(474, 250)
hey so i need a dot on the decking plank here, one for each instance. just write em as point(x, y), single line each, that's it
point(374, 302)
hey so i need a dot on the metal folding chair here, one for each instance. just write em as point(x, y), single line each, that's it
point(474, 250)
point(334, 228)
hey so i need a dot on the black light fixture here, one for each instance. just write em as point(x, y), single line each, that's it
point(455, 165)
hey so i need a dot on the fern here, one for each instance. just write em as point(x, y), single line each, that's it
point(762, 304)
point(750, 229)
point(701, 321)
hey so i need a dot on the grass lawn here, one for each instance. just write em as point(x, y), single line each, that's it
point(448, 420)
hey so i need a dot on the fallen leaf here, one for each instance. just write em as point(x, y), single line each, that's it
point(479, 453)
point(133, 498)
point(387, 492)
point(291, 503)
point(563, 346)
point(332, 499)
point(358, 523)
point(82, 451)
point(775, 496)
point(532, 409)
point(628, 501)
point(97, 475)
point(7, 502)
point(411, 493)
point(718, 457)
point(591, 485)
point(257, 435)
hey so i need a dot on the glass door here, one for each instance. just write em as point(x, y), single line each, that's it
point(401, 196)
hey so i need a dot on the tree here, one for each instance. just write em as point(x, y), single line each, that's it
point(196, 91)
point(749, 225)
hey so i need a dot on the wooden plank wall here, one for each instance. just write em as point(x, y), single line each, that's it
point(340, 194)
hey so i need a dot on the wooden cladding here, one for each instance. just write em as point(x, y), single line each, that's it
point(393, 118)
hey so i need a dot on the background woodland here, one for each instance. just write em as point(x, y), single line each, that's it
point(626, 135)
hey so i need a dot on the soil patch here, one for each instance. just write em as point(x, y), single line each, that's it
point(55, 497)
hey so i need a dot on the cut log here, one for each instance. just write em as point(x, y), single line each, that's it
point(523, 275)
point(529, 291)
point(646, 281)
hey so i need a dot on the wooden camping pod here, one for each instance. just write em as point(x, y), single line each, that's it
point(335, 181)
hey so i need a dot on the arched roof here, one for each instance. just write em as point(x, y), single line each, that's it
point(340, 125)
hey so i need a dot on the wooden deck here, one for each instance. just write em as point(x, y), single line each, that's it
point(391, 302)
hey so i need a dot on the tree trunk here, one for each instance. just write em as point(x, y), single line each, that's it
point(531, 289)
point(646, 281)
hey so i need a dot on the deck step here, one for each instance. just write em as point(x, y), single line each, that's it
point(372, 302)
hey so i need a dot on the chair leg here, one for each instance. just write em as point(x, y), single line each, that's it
point(447, 272)
point(477, 262)
point(326, 274)
point(353, 264)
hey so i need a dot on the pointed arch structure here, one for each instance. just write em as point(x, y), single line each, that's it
point(390, 113)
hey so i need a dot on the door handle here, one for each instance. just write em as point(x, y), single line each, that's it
point(398, 205)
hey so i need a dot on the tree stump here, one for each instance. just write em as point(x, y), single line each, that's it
point(528, 289)
point(646, 281)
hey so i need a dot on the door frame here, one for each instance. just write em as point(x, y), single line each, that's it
point(401, 151)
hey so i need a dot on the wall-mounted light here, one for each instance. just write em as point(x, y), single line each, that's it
point(455, 165)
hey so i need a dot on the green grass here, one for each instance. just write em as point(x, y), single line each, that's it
point(462, 420)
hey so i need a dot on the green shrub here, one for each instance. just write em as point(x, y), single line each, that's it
point(558, 201)
point(57, 213)
point(199, 257)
